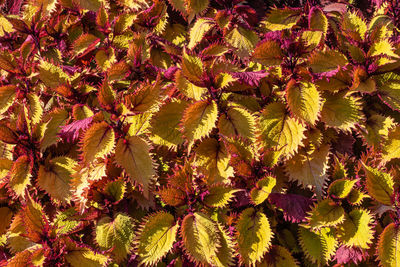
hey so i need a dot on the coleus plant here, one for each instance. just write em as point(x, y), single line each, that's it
point(199, 133)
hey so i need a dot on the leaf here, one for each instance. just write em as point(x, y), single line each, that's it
point(192, 67)
point(237, 121)
point(33, 220)
point(200, 238)
point(6, 216)
point(356, 230)
point(199, 119)
point(212, 159)
point(279, 131)
point(281, 19)
point(317, 20)
point(56, 118)
point(219, 195)
point(51, 75)
point(85, 43)
point(310, 169)
point(389, 92)
point(262, 189)
point(156, 237)
point(326, 61)
point(106, 95)
point(391, 148)
point(304, 101)
point(225, 254)
point(379, 185)
point(268, 53)
point(70, 132)
point(55, 178)
point(165, 124)
point(311, 39)
point(250, 78)
point(295, 207)
point(116, 234)
point(341, 188)
point(196, 7)
point(278, 256)
point(92, 5)
point(242, 40)
point(7, 97)
point(133, 154)
point(172, 196)
point(325, 214)
point(144, 99)
point(341, 112)
point(79, 256)
point(346, 254)
point(35, 108)
point(318, 247)
point(378, 128)
point(118, 71)
point(199, 29)
point(98, 141)
point(353, 26)
point(187, 88)
point(388, 249)
point(20, 175)
point(254, 235)
point(7, 135)
point(382, 48)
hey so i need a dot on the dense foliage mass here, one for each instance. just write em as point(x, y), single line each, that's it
point(199, 132)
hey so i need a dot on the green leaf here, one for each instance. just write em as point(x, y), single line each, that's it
point(253, 235)
point(304, 101)
point(116, 189)
point(310, 169)
point(133, 154)
point(195, 7)
point(279, 131)
point(262, 189)
point(116, 234)
point(326, 60)
point(242, 40)
point(341, 188)
point(226, 252)
point(98, 141)
point(55, 178)
point(165, 124)
point(341, 112)
point(199, 119)
point(156, 237)
point(388, 249)
point(356, 230)
point(199, 29)
point(281, 19)
point(268, 53)
point(379, 185)
point(219, 195)
point(200, 238)
point(83, 257)
point(318, 247)
point(325, 213)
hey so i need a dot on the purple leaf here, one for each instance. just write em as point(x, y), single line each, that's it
point(250, 78)
point(170, 72)
point(346, 254)
point(70, 132)
point(295, 207)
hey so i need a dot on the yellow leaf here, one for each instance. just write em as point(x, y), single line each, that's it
point(133, 154)
point(98, 141)
point(20, 175)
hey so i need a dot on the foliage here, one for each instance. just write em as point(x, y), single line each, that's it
point(199, 133)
